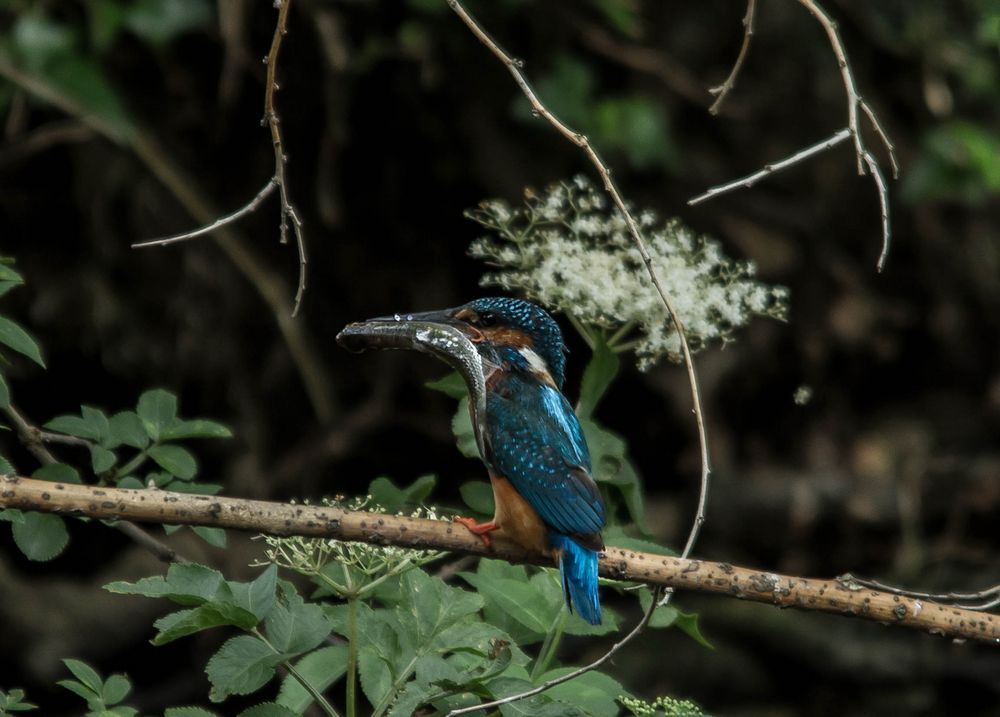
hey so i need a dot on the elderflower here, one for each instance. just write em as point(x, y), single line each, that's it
point(309, 556)
point(566, 249)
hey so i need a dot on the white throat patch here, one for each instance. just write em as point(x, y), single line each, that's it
point(537, 364)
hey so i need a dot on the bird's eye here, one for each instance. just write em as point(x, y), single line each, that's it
point(487, 318)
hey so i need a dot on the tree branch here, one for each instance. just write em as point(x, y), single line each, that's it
point(842, 597)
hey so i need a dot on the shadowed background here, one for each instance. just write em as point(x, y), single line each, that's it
point(396, 120)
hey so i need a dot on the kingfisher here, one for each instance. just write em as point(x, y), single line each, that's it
point(528, 435)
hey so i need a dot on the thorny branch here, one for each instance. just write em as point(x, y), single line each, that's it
point(34, 440)
point(515, 66)
point(855, 102)
point(289, 215)
point(722, 90)
point(841, 596)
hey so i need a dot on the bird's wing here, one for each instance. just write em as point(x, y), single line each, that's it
point(538, 446)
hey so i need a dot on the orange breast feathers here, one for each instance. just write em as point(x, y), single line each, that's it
point(517, 519)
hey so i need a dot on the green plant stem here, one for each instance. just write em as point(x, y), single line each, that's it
point(627, 346)
point(582, 329)
point(620, 334)
point(383, 705)
point(133, 464)
point(352, 656)
point(287, 664)
point(550, 645)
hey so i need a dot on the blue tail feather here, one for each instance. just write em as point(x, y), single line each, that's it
point(578, 570)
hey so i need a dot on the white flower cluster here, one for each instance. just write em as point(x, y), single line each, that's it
point(667, 706)
point(309, 556)
point(567, 250)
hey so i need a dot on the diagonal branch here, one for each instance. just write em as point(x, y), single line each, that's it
point(840, 596)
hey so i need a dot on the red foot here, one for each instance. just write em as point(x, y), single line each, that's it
point(483, 530)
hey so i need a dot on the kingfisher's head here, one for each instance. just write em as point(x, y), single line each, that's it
point(515, 330)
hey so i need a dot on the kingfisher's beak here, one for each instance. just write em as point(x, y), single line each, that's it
point(445, 317)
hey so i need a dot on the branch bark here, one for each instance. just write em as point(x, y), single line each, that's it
point(843, 597)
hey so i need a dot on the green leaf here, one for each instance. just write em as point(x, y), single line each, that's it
point(157, 410)
point(267, 709)
point(213, 614)
point(321, 669)
point(176, 460)
point(188, 712)
point(4, 393)
point(430, 605)
point(386, 494)
point(242, 665)
point(668, 616)
point(461, 426)
point(597, 378)
point(41, 536)
point(126, 428)
point(517, 599)
point(7, 273)
point(101, 459)
point(12, 701)
point(257, 596)
point(115, 689)
point(19, 340)
point(451, 385)
point(478, 495)
point(615, 537)
point(11, 515)
point(216, 537)
point(6, 286)
point(196, 428)
point(537, 706)
point(184, 584)
point(96, 419)
point(78, 689)
point(57, 473)
point(6, 467)
point(160, 21)
point(376, 677)
point(596, 693)
point(73, 426)
point(86, 674)
point(294, 625)
point(119, 711)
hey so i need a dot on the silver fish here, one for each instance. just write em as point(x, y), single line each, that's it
point(445, 342)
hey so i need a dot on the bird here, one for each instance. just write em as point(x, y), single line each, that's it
point(530, 440)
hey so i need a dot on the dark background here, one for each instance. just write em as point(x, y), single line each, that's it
point(395, 120)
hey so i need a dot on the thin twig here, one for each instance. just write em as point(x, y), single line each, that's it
point(769, 169)
point(247, 208)
point(855, 101)
point(988, 598)
point(514, 66)
point(702, 576)
point(31, 436)
point(722, 90)
point(639, 627)
point(273, 122)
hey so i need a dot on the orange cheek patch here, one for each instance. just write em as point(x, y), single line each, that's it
point(506, 336)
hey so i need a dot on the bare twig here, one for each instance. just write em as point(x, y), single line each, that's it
point(981, 600)
point(854, 101)
point(32, 437)
point(722, 90)
point(289, 215)
point(514, 66)
point(160, 506)
point(218, 223)
point(769, 169)
point(634, 632)
point(272, 121)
